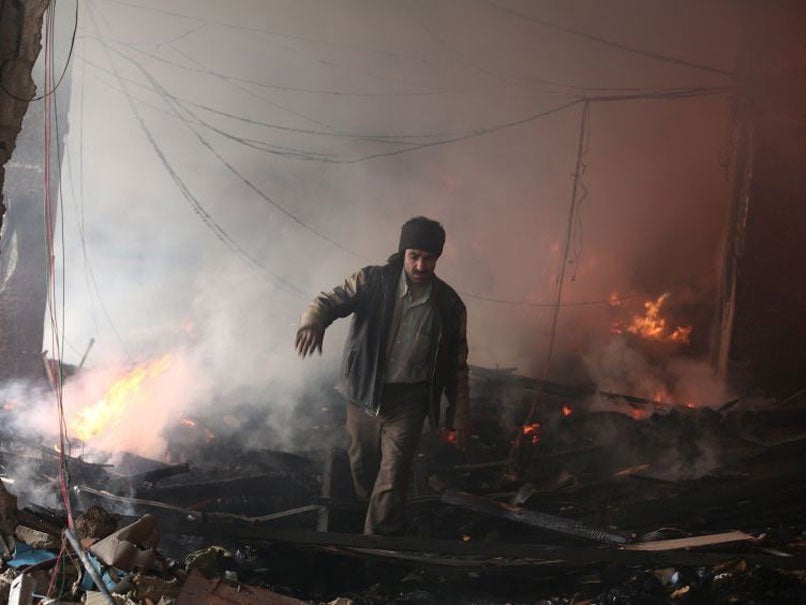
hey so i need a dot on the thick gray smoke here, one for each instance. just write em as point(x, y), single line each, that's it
point(227, 161)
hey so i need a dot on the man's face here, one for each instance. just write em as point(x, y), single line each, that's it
point(419, 265)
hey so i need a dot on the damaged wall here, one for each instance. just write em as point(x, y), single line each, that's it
point(22, 262)
point(20, 43)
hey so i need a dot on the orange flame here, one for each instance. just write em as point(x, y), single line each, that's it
point(90, 421)
point(652, 325)
point(567, 411)
point(208, 434)
point(532, 431)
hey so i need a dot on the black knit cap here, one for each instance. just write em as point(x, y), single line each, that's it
point(421, 233)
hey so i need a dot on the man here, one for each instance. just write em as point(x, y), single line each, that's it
point(406, 347)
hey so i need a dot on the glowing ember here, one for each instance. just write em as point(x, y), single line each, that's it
point(614, 300)
point(448, 435)
point(630, 470)
point(189, 422)
point(652, 325)
point(90, 421)
point(567, 411)
point(532, 432)
point(691, 404)
point(681, 334)
point(638, 414)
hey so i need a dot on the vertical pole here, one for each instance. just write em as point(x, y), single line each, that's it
point(742, 163)
point(734, 242)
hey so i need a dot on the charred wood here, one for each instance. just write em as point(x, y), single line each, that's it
point(539, 553)
point(147, 479)
point(534, 518)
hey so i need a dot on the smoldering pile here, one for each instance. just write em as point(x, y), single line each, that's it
point(566, 494)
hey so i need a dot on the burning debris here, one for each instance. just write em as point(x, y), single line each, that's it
point(92, 420)
point(583, 498)
point(652, 325)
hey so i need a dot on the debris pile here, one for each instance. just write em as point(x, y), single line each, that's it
point(593, 504)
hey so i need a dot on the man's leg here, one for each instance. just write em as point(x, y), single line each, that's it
point(402, 416)
point(363, 449)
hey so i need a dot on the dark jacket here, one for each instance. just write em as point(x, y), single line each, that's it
point(370, 296)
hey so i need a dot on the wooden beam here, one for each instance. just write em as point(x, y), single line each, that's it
point(534, 518)
point(692, 541)
point(536, 553)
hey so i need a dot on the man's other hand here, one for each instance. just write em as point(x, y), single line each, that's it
point(309, 339)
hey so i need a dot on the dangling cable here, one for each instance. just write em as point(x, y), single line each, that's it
point(576, 200)
point(50, 222)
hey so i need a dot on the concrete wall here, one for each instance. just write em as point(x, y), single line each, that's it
point(22, 257)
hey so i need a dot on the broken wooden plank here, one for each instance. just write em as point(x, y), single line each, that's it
point(692, 541)
point(547, 553)
point(128, 504)
point(148, 477)
point(534, 518)
point(198, 590)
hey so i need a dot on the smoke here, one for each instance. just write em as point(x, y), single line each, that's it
point(224, 166)
point(623, 368)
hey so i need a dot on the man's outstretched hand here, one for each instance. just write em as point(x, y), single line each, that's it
point(309, 339)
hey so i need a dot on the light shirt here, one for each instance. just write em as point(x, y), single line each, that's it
point(408, 342)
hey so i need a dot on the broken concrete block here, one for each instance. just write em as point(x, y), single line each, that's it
point(36, 539)
point(130, 547)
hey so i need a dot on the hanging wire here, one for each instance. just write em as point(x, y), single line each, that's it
point(572, 214)
point(560, 280)
point(610, 43)
point(50, 221)
point(220, 233)
point(195, 120)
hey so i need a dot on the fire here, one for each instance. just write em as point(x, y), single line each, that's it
point(681, 334)
point(90, 421)
point(567, 411)
point(652, 325)
point(189, 422)
point(532, 432)
point(614, 300)
point(448, 436)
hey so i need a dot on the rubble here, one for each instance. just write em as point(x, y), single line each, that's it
point(599, 505)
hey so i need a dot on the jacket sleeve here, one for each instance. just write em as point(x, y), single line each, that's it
point(457, 389)
point(339, 302)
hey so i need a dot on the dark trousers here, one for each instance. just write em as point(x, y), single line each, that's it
point(381, 450)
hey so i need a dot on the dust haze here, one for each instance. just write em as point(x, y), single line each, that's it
point(227, 161)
